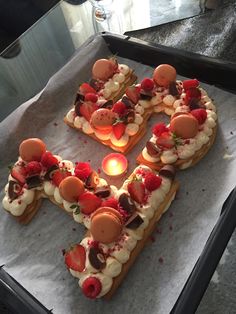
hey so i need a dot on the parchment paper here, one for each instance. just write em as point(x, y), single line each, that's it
point(32, 254)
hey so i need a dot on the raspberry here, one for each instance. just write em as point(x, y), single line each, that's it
point(110, 202)
point(119, 108)
point(147, 84)
point(190, 83)
point(33, 168)
point(200, 115)
point(82, 170)
point(159, 128)
point(152, 182)
point(91, 287)
point(48, 160)
point(91, 97)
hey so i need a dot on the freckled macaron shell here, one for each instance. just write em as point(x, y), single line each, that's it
point(32, 149)
point(103, 69)
point(164, 74)
point(184, 126)
point(106, 225)
point(102, 120)
point(71, 188)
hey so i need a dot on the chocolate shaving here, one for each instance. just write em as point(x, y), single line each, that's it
point(127, 102)
point(48, 175)
point(33, 182)
point(108, 104)
point(103, 191)
point(146, 95)
point(195, 103)
point(130, 116)
point(168, 171)
point(97, 258)
point(126, 203)
point(152, 149)
point(95, 84)
point(14, 189)
point(134, 222)
point(92, 180)
point(173, 89)
point(77, 108)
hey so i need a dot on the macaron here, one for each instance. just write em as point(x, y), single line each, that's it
point(32, 149)
point(102, 120)
point(71, 188)
point(184, 126)
point(106, 225)
point(103, 69)
point(164, 74)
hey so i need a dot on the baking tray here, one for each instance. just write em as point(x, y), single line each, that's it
point(208, 70)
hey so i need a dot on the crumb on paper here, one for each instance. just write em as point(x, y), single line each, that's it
point(161, 260)
point(228, 156)
point(170, 227)
point(74, 229)
point(55, 124)
point(158, 230)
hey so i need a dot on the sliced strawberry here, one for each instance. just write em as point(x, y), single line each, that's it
point(86, 88)
point(165, 141)
point(190, 83)
point(75, 258)
point(159, 128)
point(59, 175)
point(91, 97)
point(19, 174)
point(132, 92)
point(87, 108)
point(89, 202)
point(136, 190)
point(118, 129)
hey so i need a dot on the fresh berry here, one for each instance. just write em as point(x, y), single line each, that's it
point(86, 109)
point(89, 202)
point(159, 128)
point(119, 108)
point(82, 170)
point(118, 129)
point(18, 173)
point(152, 181)
point(59, 175)
point(133, 93)
point(33, 168)
point(75, 258)
point(86, 88)
point(147, 84)
point(200, 115)
point(48, 160)
point(91, 97)
point(190, 83)
point(192, 93)
point(165, 141)
point(91, 287)
point(110, 202)
point(136, 190)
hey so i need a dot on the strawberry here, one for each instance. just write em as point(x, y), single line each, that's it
point(159, 128)
point(152, 181)
point(33, 168)
point(190, 83)
point(86, 109)
point(48, 160)
point(147, 84)
point(91, 97)
point(118, 129)
point(119, 108)
point(82, 170)
point(86, 88)
point(165, 141)
point(89, 202)
point(133, 93)
point(110, 202)
point(200, 115)
point(75, 258)
point(59, 175)
point(192, 93)
point(91, 287)
point(136, 190)
point(18, 173)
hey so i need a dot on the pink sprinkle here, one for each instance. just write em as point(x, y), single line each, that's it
point(170, 227)
point(55, 124)
point(85, 142)
point(99, 170)
point(152, 239)
point(171, 214)
point(158, 230)
point(89, 160)
point(19, 202)
point(161, 260)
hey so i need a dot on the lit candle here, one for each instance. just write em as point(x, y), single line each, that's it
point(114, 164)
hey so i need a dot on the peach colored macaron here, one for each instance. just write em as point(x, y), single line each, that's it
point(164, 74)
point(71, 188)
point(102, 120)
point(103, 69)
point(32, 149)
point(106, 225)
point(184, 126)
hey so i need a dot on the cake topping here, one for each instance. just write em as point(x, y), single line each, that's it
point(187, 84)
point(134, 222)
point(75, 258)
point(184, 126)
point(49, 174)
point(82, 170)
point(103, 69)
point(200, 115)
point(152, 149)
point(120, 108)
point(33, 182)
point(127, 102)
point(92, 180)
point(14, 190)
point(48, 160)
point(18, 173)
point(71, 188)
point(110, 202)
point(102, 120)
point(133, 93)
point(147, 84)
point(165, 141)
point(126, 203)
point(108, 104)
point(91, 97)
point(87, 109)
point(164, 74)
point(97, 258)
point(32, 149)
point(168, 171)
point(118, 129)
point(88, 202)
point(91, 287)
point(58, 175)
point(136, 190)
point(86, 88)
point(159, 128)
point(152, 181)
point(33, 168)
point(103, 191)
point(173, 90)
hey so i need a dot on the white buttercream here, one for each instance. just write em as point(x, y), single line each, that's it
point(131, 129)
point(113, 267)
point(70, 115)
point(121, 142)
